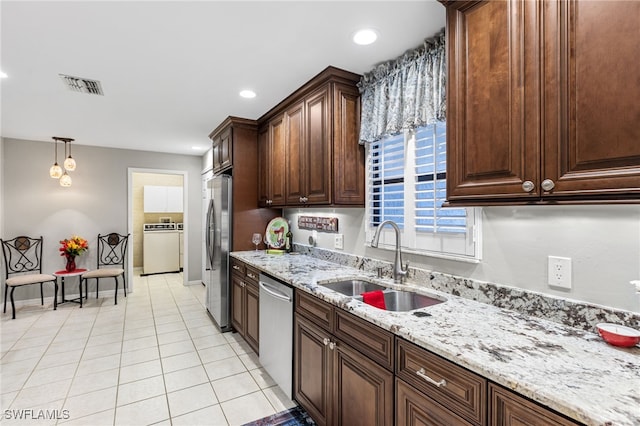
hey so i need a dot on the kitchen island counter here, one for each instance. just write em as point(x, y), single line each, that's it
point(566, 369)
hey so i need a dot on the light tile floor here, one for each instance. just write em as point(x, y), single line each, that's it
point(155, 358)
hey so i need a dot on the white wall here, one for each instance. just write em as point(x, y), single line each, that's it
point(602, 240)
point(34, 204)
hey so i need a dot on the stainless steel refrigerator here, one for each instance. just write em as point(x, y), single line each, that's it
point(217, 241)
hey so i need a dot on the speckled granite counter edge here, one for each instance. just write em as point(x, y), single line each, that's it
point(572, 313)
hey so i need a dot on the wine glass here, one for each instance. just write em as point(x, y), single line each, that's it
point(256, 239)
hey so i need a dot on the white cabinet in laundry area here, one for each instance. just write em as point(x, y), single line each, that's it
point(163, 199)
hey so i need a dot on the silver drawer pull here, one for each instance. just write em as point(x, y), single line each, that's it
point(422, 374)
point(236, 267)
point(252, 276)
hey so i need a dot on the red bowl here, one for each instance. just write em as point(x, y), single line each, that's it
point(618, 335)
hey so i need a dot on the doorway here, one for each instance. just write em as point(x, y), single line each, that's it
point(137, 217)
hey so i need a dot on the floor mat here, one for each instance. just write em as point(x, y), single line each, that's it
point(294, 417)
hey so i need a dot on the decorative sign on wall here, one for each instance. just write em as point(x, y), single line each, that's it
point(325, 224)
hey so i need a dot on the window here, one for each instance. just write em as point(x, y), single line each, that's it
point(406, 183)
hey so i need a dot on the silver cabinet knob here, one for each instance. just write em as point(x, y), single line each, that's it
point(528, 186)
point(332, 345)
point(547, 184)
point(325, 341)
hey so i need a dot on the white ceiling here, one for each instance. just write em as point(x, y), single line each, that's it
point(171, 70)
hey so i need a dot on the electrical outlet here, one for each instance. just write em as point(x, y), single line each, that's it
point(339, 241)
point(559, 272)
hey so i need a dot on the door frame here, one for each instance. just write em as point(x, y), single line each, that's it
point(185, 214)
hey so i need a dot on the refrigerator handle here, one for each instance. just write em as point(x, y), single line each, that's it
point(208, 238)
point(212, 222)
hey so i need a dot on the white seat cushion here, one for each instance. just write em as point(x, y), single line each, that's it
point(103, 273)
point(29, 279)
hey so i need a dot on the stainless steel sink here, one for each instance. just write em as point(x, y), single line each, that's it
point(402, 301)
point(353, 287)
point(395, 300)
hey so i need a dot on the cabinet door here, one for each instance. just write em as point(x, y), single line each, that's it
point(155, 199)
point(317, 149)
point(493, 136)
point(312, 364)
point(238, 304)
point(348, 154)
point(252, 303)
point(592, 135)
point(174, 199)
point(225, 155)
point(278, 155)
point(415, 409)
point(295, 167)
point(509, 409)
point(264, 167)
point(215, 155)
point(362, 389)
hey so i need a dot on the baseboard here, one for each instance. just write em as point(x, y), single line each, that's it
point(104, 294)
point(196, 282)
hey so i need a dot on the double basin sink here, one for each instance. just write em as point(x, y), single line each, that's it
point(394, 300)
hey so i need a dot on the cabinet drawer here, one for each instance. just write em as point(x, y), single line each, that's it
point(238, 267)
point(252, 274)
point(368, 338)
point(508, 408)
point(318, 311)
point(462, 391)
point(413, 408)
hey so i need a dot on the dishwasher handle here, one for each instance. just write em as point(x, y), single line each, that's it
point(274, 292)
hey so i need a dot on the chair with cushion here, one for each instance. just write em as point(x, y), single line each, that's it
point(112, 252)
point(23, 266)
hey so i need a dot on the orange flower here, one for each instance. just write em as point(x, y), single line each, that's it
point(73, 246)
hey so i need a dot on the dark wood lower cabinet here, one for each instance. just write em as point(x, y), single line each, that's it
point(336, 384)
point(312, 363)
point(347, 371)
point(362, 389)
point(252, 329)
point(413, 408)
point(245, 303)
point(507, 408)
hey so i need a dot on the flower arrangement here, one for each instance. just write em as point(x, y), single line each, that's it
point(73, 246)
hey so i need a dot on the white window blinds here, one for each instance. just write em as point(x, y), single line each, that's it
point(407, 184)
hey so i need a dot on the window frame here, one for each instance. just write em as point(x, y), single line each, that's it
point(465, 246)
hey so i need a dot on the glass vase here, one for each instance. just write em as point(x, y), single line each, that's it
point(71, 263)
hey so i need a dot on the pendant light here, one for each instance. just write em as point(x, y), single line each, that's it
point(55, 171)
point(69, 162)
point(65, 180)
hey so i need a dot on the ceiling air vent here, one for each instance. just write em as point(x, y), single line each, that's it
point(83, 85)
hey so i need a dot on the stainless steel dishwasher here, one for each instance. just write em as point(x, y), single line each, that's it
point(276, 331)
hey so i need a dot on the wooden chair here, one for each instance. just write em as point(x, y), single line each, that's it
point(112, 253)
point(23, 266)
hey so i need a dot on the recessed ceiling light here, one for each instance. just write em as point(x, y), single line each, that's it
point(248, 94)
point(365, 36)
point(3, 74)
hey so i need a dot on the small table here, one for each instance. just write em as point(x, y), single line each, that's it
point(64, 274)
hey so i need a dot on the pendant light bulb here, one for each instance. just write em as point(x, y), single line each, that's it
point(65, 180)
point(69, 162)
point(55, 171)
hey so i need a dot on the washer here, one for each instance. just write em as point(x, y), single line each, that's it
point(161, 250)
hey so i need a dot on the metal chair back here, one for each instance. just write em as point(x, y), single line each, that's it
point(112, 249)
point(22, 255)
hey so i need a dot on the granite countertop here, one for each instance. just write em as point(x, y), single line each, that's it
point(569, 370)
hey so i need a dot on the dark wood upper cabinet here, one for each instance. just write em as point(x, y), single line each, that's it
point(236, 140)
point(323, 163)
point(541, 104)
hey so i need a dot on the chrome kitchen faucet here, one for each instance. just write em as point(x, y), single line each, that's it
point(399, 271)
